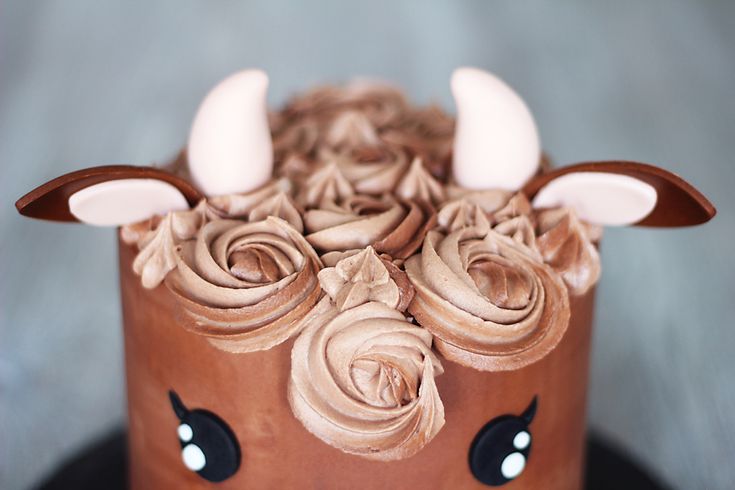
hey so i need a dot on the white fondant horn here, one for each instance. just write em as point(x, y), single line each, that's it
point(496, 144)
point(599, 197)
point(230, 148)
point(125, 201)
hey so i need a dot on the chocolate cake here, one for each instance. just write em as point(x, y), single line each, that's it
point(356, 292)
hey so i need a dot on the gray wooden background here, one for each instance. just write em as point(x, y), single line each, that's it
point(85, 83)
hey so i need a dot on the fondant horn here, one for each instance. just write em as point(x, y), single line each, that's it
point(179, 409)
point(496, 143)
point(530, 412)
point(230, 148)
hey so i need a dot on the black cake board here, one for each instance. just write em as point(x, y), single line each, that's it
point(104, 465)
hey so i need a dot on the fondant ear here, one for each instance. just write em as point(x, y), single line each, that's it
point(496, 143)
point(157, 190)
point(230, 149)
point(622, 193)
point(179, 409)
point(530, 412)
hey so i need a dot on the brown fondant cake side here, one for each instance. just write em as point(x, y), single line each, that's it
point(249, 393)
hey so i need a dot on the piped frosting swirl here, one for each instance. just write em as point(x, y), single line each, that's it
point(157, 237)
point(565, 244)
point(246, 286)
point(373, 135)
point(362, 380)
point(390, 225)
point(491, 305)
point(361, 276)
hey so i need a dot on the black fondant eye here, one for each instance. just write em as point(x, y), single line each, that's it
point(208, 445)
point(499, 452)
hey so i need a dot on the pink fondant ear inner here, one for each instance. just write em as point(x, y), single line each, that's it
point(619, 192)
point(125, 201)
point(599, 198)
point(50, 201)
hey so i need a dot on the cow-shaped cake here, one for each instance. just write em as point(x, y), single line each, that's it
point(354, 293)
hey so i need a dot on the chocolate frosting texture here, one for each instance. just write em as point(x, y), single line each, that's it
point(362, 380)
point(361, 276)
point(566, 245)
point(157, 237)
point(380, 143)
point(490, 303)
point(247, 286)
point(391, 225)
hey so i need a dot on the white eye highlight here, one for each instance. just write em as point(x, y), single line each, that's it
point(513, 465)
point(522, 440)
point(185, 432)
point(194, 458)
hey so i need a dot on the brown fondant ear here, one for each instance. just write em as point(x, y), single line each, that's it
point(678, 203)
point(50, 201)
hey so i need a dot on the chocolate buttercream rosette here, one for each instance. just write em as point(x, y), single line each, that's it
point(567, 245)
point(355, 277)
point(403, 178)
point(490, 303)
point(394, 226)
point(552, 235)
point(362, 380)
point(246, 286)
point(362, 376)
point(158, 236)
point(372, 133)
point(334, 118)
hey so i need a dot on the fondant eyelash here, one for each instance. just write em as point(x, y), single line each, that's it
point(208, 446)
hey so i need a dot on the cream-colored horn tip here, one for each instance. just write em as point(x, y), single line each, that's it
point(230, 149)
point(496, 144)
point(258, 78)
point(469, 81)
